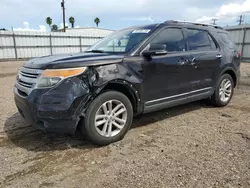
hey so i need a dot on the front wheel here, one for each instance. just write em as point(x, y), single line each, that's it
point(224, 91)
point(108, 118)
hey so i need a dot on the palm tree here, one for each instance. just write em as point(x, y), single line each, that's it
point(72, 21)
point(54, 27)
point(97, 21)
point(49, 21)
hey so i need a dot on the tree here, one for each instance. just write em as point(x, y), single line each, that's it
point(3, 29)
point(54, 27)
point(49, 21)
point(72, 21)
point(97, 21)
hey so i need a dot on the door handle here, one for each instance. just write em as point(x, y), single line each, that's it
point(218, 56)
point(192, 62)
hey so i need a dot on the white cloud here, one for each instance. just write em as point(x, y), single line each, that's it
point(42, 28)
point(26, 27)
point(228, 12)
point(234, 9)
point(61, 25)
point(149, 19)
point(205, 19)
point(146, 18)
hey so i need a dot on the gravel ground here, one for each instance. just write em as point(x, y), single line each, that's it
point(194, 145)
point(9, 68)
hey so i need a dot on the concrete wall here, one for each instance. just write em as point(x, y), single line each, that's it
point(241, 36)
point(20, 44)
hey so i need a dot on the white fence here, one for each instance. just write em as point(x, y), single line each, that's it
point(23, 45)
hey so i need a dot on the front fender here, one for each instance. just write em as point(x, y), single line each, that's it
point(99, 77)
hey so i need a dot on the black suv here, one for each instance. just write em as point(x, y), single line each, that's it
point(132, 71)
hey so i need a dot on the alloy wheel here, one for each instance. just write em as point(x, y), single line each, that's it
point(110, 118)
point(225, 91)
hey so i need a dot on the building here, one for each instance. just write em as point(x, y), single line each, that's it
point(90, 31)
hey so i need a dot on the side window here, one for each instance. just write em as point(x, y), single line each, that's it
point(212, 43)
point(172, 38)
point(198, 40)
point(227, 40)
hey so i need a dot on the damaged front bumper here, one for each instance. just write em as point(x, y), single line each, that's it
point(56, 109)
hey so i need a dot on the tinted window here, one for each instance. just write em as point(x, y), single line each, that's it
point(198, 40)
point(172, 38)
point(212, 43)
point(227, 40)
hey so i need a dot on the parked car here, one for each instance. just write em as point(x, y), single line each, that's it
point(132, 71)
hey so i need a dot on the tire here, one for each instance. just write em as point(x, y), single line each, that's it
point(216, 98)
point(100, 107)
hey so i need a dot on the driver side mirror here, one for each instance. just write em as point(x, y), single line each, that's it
point(155, 49)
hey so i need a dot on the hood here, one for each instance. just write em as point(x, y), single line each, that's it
point(73, 60)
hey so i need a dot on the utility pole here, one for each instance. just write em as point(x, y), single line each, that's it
point(240, 20)
point(63, 8)
point(214, 21)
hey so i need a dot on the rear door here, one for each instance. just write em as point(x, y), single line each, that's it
point(205, 56)
point(229, 49)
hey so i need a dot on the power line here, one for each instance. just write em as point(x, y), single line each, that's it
point(214, 21)
point(240, 20)
point(63, 8)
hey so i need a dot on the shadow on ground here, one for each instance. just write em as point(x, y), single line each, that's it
point(25, 136)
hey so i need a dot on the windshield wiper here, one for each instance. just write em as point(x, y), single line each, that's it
point(95, 51)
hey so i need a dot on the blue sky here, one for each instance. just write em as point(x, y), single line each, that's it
point(116, 14)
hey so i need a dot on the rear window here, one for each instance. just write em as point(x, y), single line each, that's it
point(199, 40)
point(227, 40)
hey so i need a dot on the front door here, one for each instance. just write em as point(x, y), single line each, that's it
point(166, 77)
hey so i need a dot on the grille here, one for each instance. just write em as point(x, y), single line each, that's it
point(27, 79)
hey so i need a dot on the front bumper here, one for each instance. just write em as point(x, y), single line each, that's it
point(55, 109)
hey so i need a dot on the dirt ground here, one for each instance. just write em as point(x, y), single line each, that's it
point(194, 145)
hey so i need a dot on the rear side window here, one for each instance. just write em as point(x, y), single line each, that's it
point(227, 40)
point(172, 38)
point(199, 40)
point(212, 43)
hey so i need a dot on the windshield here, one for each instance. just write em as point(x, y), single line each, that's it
point(121, 41)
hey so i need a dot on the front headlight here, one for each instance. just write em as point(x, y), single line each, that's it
point(51, 77)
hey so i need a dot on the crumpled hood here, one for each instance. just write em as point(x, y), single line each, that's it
point(73, 60)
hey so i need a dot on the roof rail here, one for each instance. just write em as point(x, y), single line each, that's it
point(193, 23)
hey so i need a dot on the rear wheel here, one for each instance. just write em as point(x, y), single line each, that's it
point(224, 91)
point(108, 118)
